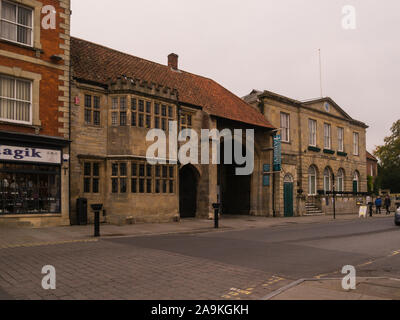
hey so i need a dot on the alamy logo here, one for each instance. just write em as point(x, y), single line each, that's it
point(49, 280)
point(349, 281)
point(349, 21)
point(49, 20)
point(189, 151)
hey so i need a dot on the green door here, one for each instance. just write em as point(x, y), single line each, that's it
point(355, 186)
point(288, 198)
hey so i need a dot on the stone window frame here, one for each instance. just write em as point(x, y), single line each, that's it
point(186, 120)
point(119, 177)
point(91, 177)
point(341, 175)
point(285, 128)
point(92, 109)
point(356, 144)
point(310, 132)
point(315, 175)
point(36, 7)
point(327, 136)
point(35, 89)
point(340, 145)
point(145, 118)
point(162, 177)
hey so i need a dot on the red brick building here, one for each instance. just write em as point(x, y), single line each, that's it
point(34, 111)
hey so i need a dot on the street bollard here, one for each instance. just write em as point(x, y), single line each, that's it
point(97, 208)
point(216, 207)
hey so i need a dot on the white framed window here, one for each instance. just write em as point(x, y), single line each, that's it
point(312, 181)
point(285, 126)
point(340, 180)
point(356, 143)
point(15, 100)
point(327, 136)
point(327, 179)
point(16, 23)
point(340, 139)
point(312, 129)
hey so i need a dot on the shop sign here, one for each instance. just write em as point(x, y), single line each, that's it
point(26, 154)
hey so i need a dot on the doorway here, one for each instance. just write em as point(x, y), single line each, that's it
point(288, 195)
point(188, 179)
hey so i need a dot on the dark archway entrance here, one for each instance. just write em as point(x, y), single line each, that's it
point(188, 179)
point(234, 189)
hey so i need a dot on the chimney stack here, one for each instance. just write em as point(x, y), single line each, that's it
point(173, 61)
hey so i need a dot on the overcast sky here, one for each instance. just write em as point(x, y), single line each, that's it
point(265, 44)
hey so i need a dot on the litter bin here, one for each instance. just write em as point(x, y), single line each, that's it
point(81, 211)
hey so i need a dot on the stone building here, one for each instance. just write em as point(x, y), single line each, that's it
point(116, 99)
point(34, 112)
point(322, 147)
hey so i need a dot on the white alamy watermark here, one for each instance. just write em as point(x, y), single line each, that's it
point(349, 281)
point(349, 20)
point(190, 152)
point(49, 19)
point(49, 280)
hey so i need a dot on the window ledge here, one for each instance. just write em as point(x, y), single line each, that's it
point(329, 151)
point(314, 149)
point(10, 123)
point(21, 45)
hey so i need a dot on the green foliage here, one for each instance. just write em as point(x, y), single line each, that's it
point(370, 183)
point(389, 156)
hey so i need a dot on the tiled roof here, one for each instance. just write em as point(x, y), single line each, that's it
point(371, 157)
point(96, 63)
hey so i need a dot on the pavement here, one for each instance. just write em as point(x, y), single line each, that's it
point(11, 237)
point(249, 258)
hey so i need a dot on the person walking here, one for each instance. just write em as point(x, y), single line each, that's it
point(387, 204)
point(378, 204)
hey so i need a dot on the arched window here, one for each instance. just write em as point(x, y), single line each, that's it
point(340, 180)
point(327, 179)
point(356, 181)
point(312, 180)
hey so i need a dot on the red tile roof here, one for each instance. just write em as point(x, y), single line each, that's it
point(371, 157)
point(93, 62)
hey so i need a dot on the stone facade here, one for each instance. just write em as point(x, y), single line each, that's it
point(108, 143)
point(45, 63)
point(320, 152)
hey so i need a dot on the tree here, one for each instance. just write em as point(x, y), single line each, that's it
point(389, 156)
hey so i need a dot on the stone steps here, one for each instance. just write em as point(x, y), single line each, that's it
point(313, 210)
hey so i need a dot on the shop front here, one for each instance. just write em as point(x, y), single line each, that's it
point(33, 182)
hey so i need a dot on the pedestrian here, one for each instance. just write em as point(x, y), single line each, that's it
point(387, 204)
point(370, 205)
point(378, 204)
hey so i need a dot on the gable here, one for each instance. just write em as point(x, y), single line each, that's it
point(329, 107)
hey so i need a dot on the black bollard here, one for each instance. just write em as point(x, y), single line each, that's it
point(216, 207)
point(97, 208)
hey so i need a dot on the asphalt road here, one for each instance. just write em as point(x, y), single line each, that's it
point(241, 264)
point(298, 251)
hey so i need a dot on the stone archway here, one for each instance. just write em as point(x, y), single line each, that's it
point(188, 182)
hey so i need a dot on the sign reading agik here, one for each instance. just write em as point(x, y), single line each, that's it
point(26, 154)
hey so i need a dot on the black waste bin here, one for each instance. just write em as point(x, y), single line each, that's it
point(81, 211)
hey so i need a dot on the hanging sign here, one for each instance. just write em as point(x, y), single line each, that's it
point(277, 153)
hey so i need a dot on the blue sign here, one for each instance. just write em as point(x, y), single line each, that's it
point(277, 153)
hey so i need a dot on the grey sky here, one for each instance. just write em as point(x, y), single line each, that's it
point(265, 44)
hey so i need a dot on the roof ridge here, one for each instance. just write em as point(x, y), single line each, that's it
point(134, 56)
